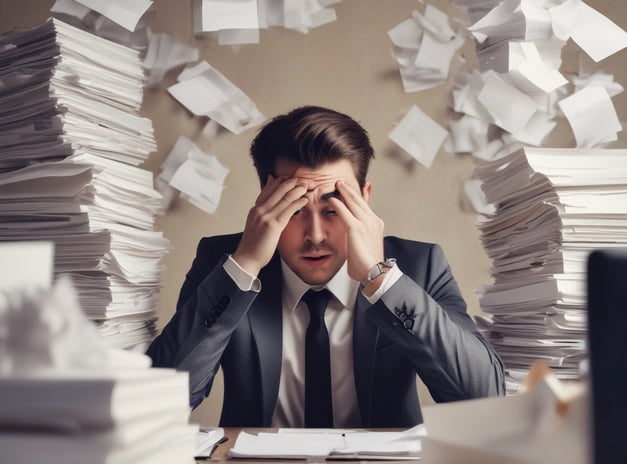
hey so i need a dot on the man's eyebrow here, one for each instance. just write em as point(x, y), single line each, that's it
point(334, 194)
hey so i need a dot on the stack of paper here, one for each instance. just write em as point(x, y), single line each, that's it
point(71, 138)
point(66, 396)
point(78, 416)
point(551, 208)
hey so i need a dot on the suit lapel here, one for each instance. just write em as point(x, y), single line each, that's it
point(365, 337)
point(266, 325)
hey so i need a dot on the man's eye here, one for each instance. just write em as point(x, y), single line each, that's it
point(329, 212)
point(297, 212)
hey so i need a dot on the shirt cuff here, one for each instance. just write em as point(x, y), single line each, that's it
point(243, 279)
point(389, 279)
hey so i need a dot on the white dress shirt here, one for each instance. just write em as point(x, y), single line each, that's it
point(290, 407)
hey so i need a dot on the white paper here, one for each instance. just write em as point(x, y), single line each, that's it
point(196, 174)
point(419, 135)
point(597, 35)
point(591, 115)
point(26, 264)
point(165, 53)
point(424, 48)
point(126, 13)
point(218, 15)
point(510, 108)
point(206, 92)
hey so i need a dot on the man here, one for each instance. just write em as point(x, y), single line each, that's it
point(394, 309)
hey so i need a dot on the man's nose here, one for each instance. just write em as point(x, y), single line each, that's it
point(315, 232)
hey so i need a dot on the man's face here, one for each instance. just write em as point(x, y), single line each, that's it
point(314, 242)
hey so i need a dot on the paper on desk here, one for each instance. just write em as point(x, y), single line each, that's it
point(126, 13)
point(419, 135)
point(338, 443)
point(597, 35)
point(204, 91)
point(591, 115)
point(164, 53)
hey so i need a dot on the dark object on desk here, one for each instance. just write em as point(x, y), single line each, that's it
point(607, 334)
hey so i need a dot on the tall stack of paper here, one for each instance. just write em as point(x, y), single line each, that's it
point(551, 208)
point(71, 139)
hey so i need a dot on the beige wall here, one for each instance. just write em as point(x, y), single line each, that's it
point(346, 65)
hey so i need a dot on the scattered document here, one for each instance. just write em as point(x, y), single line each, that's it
point(165, 53)
point(592, 116)
point(509, 108)
point(199, 176)
point(236, 23)
point(598, 36)
point(424, 48)
point(332, 443)
point(419, 135)
point(205, 92)
point(126, 13)
point(216, 15)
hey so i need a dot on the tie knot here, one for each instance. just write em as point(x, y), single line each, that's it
point(317, 301)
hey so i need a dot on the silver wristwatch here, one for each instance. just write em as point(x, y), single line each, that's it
point(379, 269)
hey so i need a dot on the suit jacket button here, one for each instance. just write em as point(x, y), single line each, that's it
point(224, 301)
point(208, 322)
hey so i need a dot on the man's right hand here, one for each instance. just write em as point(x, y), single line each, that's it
point(277, 202)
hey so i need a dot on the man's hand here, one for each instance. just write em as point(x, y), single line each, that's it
point(364, 230)
point(277, 202)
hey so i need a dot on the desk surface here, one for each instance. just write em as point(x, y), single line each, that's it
point(220, 454)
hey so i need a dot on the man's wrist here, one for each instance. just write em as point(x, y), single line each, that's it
point(378, 270)
point(376, 276)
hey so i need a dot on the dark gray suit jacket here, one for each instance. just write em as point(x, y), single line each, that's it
point(419, 326)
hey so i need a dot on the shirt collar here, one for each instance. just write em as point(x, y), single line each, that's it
point(341, 285)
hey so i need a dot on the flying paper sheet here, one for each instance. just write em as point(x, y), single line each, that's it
point(419, 135)
point(591, 115)
point(206, 92)
point(126, 13)
point(165, 53)
point(424, 48)
point(594, 33)
point(199, 176)
point(509, 107)
point(216, 15)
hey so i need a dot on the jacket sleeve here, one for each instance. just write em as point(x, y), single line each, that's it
point(209, 308)
point(438, 336)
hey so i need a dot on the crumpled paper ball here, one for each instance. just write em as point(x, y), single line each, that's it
point(43, 328)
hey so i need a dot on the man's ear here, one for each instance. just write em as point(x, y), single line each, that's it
point(365, 192)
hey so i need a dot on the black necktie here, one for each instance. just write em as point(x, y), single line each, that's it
point(318, 403)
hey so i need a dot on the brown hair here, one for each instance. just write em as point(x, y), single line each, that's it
point(312, 136)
